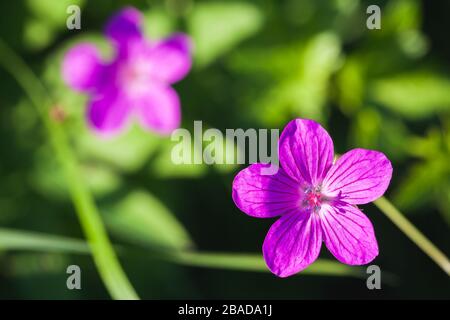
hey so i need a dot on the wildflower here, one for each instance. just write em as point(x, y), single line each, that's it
point(315, 198)
point(136, 83)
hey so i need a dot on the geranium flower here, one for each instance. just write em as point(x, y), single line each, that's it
point(315, 198)
point(136, 83)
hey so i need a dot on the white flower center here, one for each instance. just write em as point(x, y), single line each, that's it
point(135, 77)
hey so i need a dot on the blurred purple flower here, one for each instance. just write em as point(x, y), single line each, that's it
point(315, 198)
point(137, 83)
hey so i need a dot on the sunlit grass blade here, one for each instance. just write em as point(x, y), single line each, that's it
point(103, 254)
point(255, 262)
point(251, 262)
point(33, 241)
point(413, 233)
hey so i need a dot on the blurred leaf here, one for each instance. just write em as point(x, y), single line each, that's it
point(228, 147)
point(320, 60)
point(52, 12)
point(401, 15)
point(366, 128)
point(48, 17)
point(430, 175)
point(413, 95)
point(37, 34)
point(128, 151)
point(272, 61)
point(351, 86)
point(413, 43)
point(444, 202)
point(162, 166)
point(393, 135)
point(48, 178)
point(217, 27)
point(26, 264)
point(158, 23)
point(423, 184)
point(305, 91)
point(143, 219)
point(430, 146)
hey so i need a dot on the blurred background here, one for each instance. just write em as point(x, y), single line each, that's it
point(257, 64)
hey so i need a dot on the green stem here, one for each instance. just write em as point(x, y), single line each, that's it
point(103, 253)
point(255, 263)
point(26, 240)
point(413, 233)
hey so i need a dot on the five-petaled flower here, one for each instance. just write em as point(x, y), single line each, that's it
point(315, 198)
point(136, 83)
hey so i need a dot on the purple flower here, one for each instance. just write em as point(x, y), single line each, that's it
point(136, 83)
point(316, 199)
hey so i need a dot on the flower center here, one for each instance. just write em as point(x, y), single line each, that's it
point(135, 77)
point(313, 198)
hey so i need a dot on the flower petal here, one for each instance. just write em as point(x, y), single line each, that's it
point(124, 26)
point(264, 196)
point(108, 112)
point(348, 234)
point(306, 151)
point(159, 109)
point(359, 176)
point(171, 58)
point(82, 68)
point(292, 243)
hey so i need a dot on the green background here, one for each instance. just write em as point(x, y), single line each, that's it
point(257, 64)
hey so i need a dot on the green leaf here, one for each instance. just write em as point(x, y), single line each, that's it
point(162, 165)
point(429, 176)
point(47, 18)
point(128, 151)
point(320, 60)
point(304, 91)
point(141, 218)
point(366, 128)
point(444, 202)
point(351, 85)
point(158, 23)
point(100, 179)
point(401, 15)
point(217, 27)
point(413, 95)
point(54, 13)
point(37, 34)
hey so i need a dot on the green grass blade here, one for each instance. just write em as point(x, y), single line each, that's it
point(104, 256)
point(413, 233)
point(255, 262)
point(252, 262)
point(33, 241)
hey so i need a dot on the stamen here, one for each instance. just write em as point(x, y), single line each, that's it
point(313, 198)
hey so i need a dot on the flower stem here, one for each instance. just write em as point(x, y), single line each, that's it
point(103, 253)
point(413, 233)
